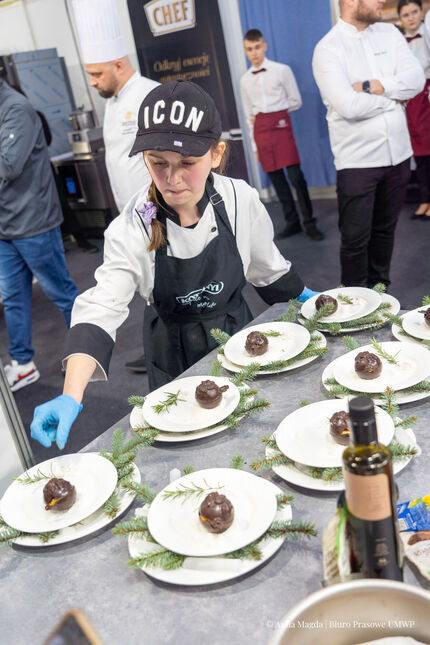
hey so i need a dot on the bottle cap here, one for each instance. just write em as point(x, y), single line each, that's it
point(363, 424)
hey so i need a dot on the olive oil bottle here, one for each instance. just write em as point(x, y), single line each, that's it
point(370, 498)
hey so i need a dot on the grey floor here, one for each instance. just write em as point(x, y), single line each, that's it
point(105, 403)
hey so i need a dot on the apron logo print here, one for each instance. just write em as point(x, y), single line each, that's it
point(282, 123)
point(213, 288)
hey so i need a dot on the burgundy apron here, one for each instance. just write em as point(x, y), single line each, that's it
point(418, 114)
point(274, 138)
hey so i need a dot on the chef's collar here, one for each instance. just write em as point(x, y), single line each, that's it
point(129, 82)
point(171, 214)
point(352, 29)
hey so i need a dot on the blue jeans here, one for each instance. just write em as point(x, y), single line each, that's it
point(43, 257)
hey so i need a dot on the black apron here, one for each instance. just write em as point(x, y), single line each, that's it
point(191, 297)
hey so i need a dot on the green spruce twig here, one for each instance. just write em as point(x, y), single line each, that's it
point(290, 315)
point(136, 400)
point(283, 500)
point(136, 526)
point(165, 559)
point(186, 470)
point(426, 301)
point(346, 300)
point(350, 343)
point(237, 462)
point(27, 479)
point(290, 530)
point(111, 505)
point(145, 493)
point(171, 399)
point(216, 368)
point(184, 492)
point(271, 333)
point(220, 336)
point(382, 353)
point(248, 552)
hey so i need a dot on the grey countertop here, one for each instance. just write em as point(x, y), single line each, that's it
point(126, 606)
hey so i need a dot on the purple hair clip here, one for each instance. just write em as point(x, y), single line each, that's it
point(148, 211)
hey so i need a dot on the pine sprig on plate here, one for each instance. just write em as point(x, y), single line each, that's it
point(136, 400)
point(271, 333)
point(184, 491)
point(291, 530)
point(186, 470)
point(27, 479)
point(290, 315)
point(145, 493)
point(248, 552)
point(111, 505)
point(138, 525)
point(426, 301)
point(283, 500)
point(172, 398)
point(216, 368)
point(346, 300)
point(165, 559)
point(269, 462)
point(220, 336)
point(350, 343)
point(382, 353)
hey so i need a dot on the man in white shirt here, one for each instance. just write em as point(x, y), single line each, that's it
point(365, 72)
point(113, 76)
point(269, 92)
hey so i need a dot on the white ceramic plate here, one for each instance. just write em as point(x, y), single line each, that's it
point(401, 397)
point(297, 477)
point(93, 476)
point(187, 415)
point(293, 340)
point(408, 339)
point(304, 435)
point(88, 526)
point(231, 367)
point(364, 302)
point(413, 324)
point(413, 366)
point(137, 420)
point(175, 523)
point(208, 571)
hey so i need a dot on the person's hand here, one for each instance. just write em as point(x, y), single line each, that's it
point(306, 294)
point(52, 420)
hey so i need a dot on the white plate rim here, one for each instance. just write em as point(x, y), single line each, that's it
point(89, 526)
point(308, 308)
point(410, 314)
point(184, 577)
point(296, 477)
point(215, 415)
point(407, 339)
point(155, 511)
point(173, 437)
point(262, 360)
point(394, 348)
point(58, 522)
point(232, 367)
point(401, 398)
point(320, 405)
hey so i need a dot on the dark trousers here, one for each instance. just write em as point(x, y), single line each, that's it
point(369, 202)
point(282, 188)
point(423, 178)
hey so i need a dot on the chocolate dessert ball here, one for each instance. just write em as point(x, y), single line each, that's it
point(216, 512)
point(256, 343)
point(339, 427)
point(324, 299)
point(59, 495)
point(426, 313)
point(368, 365)
point(208, 394)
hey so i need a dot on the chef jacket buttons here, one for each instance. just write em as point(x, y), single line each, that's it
point(213, 229)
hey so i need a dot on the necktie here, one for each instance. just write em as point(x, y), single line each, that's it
point(409, 38)
point(257, 71)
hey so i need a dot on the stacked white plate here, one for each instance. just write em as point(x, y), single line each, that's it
point(412, 366)
point(363, 303)
point(175, 525)
point(94, 478)
point(414, 325)
point(304, 437)
point(186, 420)
point(292, 340)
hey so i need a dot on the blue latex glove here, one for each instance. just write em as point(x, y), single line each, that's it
point(306, 294)
point(52, 420)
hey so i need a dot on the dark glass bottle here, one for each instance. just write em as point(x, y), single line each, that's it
point(370, 498)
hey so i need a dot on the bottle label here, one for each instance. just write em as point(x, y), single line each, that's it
point(368, 498)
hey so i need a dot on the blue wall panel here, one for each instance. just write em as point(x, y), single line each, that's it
point(292, 28)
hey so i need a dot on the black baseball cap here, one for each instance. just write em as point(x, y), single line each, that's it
point(178, 116)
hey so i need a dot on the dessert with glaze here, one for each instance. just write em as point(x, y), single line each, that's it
point(339, 427)
point(426, 313)
point(367, 365)
point(216, 512)
point(59, 495)
point(208, 394)
point(324, 299)
point(256, 343)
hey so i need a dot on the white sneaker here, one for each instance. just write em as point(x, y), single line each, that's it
point(19, 376)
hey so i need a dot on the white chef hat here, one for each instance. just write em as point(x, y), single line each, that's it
point(99, 30)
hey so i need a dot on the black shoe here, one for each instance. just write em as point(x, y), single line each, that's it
point(139, 365)
point(313, 232)
point(290, 229)
point(86, 246)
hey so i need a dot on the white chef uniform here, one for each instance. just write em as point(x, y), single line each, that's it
point(127, 174)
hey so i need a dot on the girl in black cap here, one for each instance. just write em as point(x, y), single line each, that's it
point(187, 243)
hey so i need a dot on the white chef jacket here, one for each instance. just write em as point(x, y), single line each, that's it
point(426, 32)
point(126, 174)
point(366, 130)
point(128, 266)
point(419, 49)
point(270, 91)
